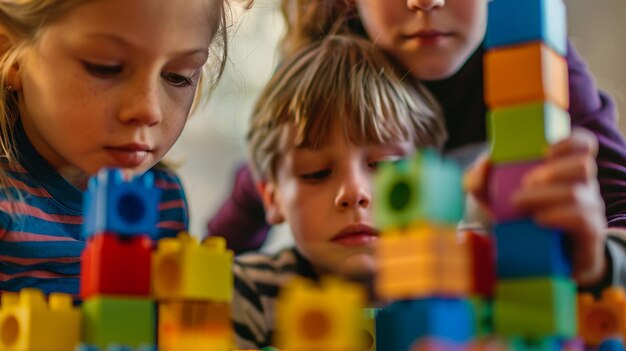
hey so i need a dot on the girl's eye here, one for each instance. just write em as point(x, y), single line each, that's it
point(102, 71)
point(318, 175)
point(176, 79)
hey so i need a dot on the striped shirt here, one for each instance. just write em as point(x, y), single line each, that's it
point(41, 218)
point(258, 278)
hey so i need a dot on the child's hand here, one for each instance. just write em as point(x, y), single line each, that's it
point(562, 193)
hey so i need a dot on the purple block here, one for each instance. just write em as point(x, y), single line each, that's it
point(503, 181)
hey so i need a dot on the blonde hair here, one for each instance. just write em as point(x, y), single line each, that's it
point(26, 19)
point(344, 80)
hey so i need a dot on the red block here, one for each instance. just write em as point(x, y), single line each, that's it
point(483, 261)
point(116, 265)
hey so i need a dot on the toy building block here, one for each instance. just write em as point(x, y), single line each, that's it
point(482, 251)
point(426, 187)
point(604, 318)
point(525, 249)
point(525, 132)
point(184, 269)
point(517, 22)
point(328, 317)
point(483, 316)
point(123, 321)
point(524, 74)
point(189, 325)
point(542, 344)
point(535, 307)
point(370, 329)
point(398, 194)
point(115, 347)
point(116, 265)
point(434, 344)
point(126, 207)
point(27, 322)
point(504, 180)
point(422, 261)
point(404, 323)
point(612, 344)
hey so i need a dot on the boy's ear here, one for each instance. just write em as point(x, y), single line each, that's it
point(7, 41)
point(269, 195)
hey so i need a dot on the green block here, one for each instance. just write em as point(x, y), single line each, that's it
point(535, 307)
point(483, 315)
point(123, 321)
point(545, 344)
point(525, 132)
point(397, 194)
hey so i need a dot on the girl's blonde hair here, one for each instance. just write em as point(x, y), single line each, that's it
point(344, 80)
point(26, 19)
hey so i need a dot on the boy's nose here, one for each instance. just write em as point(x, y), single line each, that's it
point(141, 104)
point(424, 5)
point(353, 193)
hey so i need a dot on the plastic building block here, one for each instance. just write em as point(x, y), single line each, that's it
point(575, 344)
point(483, 316)
point(542, 344)
point(370, 329)
point(524, 74)
point(126, 207)
point(115, 347)
point(405, 323)
point(526, 250)
point(184, 269)
point(426, 187)
point(27, 322)
point(483, 263)
point(611, 345)
point(397, 194)
point(534, 308)
point(116, 265)
point(434, 344)
point(328, 317)
point(123, 321)
point(190, 325)
point(525, 132)
point(604, 318)
point(504, 180)
point(516, 22)
point(422, 261)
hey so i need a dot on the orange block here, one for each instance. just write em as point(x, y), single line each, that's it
point(523, 74)
point(603, 318)
point(422, 262)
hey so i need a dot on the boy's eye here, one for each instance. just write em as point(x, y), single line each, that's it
point(177, 80)
point(318, 175)
point(102, 71)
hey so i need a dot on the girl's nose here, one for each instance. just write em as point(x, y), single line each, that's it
point(425, 5)
point(142, 104)
point(354, 192)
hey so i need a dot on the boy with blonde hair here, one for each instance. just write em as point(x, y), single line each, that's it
point(327, 118)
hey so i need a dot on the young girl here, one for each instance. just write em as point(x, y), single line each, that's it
point(87, 85)
point(439, 42)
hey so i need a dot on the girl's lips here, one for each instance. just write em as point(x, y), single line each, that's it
point(128, 157)
point(429, 37)
point(356, 235)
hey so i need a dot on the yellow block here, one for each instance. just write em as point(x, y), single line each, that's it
point(326, 317)
point(184, 269)
point(603, 318)
point(525, 73)
point(27, 322)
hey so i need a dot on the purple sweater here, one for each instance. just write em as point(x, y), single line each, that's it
point(241, 218)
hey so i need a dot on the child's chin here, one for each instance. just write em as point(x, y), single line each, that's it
point(357, 265)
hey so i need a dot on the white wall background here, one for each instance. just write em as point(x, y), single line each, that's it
point(213, 141)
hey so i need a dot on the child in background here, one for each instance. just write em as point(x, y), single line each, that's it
point(440, 43)
point(321, 126)
point(87, 85)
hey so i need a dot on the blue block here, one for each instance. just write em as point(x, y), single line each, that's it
point(443, 198)
point(124, 207)
point(524, 250)
point(611, 345)
point(521, 21)
point(403, 323)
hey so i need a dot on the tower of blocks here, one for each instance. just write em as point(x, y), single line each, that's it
point(526, 92)
point(424, 268)
point(134, 298)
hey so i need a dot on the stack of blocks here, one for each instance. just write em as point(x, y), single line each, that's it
point(423, 267)
point(526, 91)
